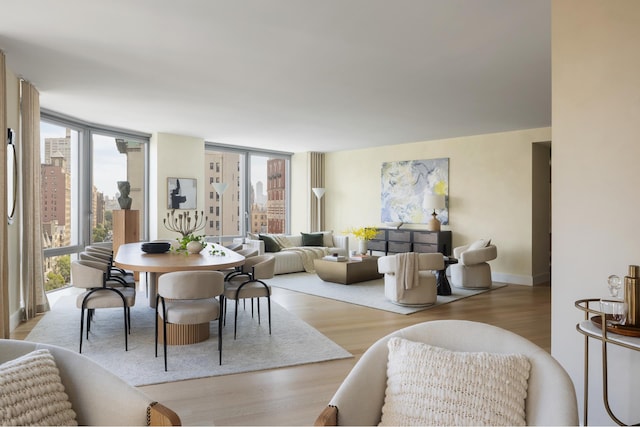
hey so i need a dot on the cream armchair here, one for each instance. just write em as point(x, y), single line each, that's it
point(551, 398)
point(473, 270)
point(97, 396)
point(425, 292)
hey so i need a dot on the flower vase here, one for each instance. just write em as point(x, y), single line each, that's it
point(362, 247)
point(194, 247)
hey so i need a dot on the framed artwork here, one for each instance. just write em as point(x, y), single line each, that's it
point(181, 193)
point(404, 185)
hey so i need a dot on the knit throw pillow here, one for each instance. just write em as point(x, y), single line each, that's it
point(429, 385)
point(31, 392)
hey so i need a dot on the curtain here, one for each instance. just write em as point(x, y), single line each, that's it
point(4, 245)
point(316, 178)
point(33, 293)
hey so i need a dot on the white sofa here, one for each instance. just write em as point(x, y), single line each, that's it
point(291, 259)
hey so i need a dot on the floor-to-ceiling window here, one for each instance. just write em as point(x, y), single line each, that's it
point(256, 199)
point(80, 167)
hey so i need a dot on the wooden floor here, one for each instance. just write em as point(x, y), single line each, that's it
point(296, 395)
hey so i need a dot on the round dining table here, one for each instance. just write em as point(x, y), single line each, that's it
point(131, 257)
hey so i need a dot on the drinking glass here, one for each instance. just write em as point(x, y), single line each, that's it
point(616, 309)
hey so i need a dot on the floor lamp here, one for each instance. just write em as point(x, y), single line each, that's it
point(220, 187)
point(319, 192)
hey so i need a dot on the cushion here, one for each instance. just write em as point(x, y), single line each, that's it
point(253, 236)
point(428, 385)
point(479, 244)
point(32, 393)
point(312, 239)
point(327, 239)
point(281, 240)
point(270, 244)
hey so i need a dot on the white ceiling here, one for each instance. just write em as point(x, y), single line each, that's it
point(289, 75)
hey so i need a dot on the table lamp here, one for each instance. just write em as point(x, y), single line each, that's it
point(431, 203)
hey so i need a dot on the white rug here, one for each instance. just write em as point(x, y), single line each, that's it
point(293, 342)
point(368, 294)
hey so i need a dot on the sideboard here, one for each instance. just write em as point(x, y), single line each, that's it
point(396, 241)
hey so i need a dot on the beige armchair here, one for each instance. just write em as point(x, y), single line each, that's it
point(550, 400)
point(97, 396)
point(422, 293)
point(473, 270)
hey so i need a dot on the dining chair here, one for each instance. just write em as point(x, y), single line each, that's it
point(189, 298)
point(248, 283)
point(113, 273)
point(100, 293)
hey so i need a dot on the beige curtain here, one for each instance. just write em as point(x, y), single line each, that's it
point(316, 178)
point(34, 296)
point(4, 245)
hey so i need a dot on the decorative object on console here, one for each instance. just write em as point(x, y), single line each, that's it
point(363, 234)
point(433, 202)
point(220, 188)
point(319, 192)
point(183, 223)
point(404, 185)
point(124, 200)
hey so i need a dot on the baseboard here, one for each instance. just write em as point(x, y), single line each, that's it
point(512, 279)
point(15, 320)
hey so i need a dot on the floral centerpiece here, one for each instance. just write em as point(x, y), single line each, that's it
point(363, 234)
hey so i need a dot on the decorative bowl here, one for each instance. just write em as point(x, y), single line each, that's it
point(155, 247)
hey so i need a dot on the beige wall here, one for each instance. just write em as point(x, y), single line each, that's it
point(490, 191)
point(596, 179)
point(173, 156)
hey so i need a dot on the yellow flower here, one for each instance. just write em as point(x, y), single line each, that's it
point(363, 233)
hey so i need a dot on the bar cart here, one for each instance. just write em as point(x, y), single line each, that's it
point(596, 327)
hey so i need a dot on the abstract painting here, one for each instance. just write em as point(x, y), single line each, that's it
point(404, 185)
point(181, 193)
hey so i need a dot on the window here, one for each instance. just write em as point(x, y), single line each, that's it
point(257, 197)
point(80, 167)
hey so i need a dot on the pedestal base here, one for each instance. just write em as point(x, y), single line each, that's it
point(184, 334)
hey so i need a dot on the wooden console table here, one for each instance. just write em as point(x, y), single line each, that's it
point(397, 241)
point(603, 334)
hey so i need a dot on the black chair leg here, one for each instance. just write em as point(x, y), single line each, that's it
point(235, 323)
point(269, 310)
point(257, 302)
point(81, 328)
point(126, 334)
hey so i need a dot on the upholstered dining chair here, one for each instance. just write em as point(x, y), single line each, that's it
point(249, 283)
point(100, 293)
point(113, 273)
point(247, 253)
point(370, 386)
point(473, 270)
point(418, 267)
point(189, 298)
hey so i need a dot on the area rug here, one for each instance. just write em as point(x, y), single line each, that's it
point(292, 342)
point(368, 294)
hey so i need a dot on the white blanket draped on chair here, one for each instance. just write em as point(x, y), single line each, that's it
point(406, 272)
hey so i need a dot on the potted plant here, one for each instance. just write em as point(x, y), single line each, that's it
point(363, 234)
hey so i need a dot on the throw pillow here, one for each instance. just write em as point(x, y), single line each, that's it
point(253, 236)
point(31, 392)
point(327, 240)
point(478, 244)
point(281, 240)
point(270, 244)
point(312, 239)
point(429, 385)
